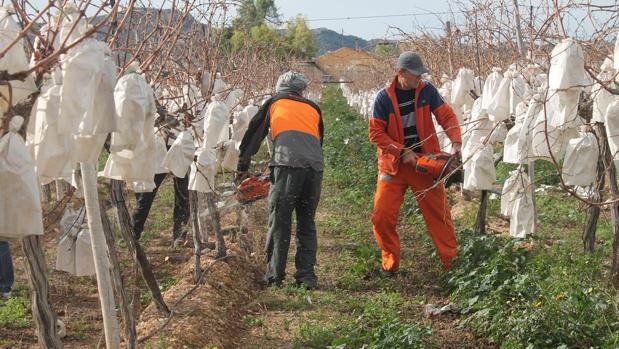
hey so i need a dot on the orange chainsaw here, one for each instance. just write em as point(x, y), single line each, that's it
point(440, 166)
point(253, 188)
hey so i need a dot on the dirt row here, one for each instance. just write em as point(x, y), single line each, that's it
point(216, 313)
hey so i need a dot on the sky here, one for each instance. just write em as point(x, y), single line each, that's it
point(368, 28)
point(408, 15)
point(372, 19)
point(404, 14)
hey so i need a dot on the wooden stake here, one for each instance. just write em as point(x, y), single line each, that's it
point(449, 49)
point(100, 253)
point(61, 189)
point(477, 53)
point(47, 192)
point(611, 172)
point(131, 340)
point(480, 222)
point(531, 163)
point(588, 235)
point(212, 209)
point(197, 236)
point(531, 173)
point(519, 39)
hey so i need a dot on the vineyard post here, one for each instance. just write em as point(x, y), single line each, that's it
point(101, 257)
point(531, 163)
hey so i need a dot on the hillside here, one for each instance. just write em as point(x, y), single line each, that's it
point(326, 39)
point(330, 40)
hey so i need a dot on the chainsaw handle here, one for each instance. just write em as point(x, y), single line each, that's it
point(452, 158)
point(240, 177)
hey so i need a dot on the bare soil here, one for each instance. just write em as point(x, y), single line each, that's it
point(207, 317)
point(230, 309)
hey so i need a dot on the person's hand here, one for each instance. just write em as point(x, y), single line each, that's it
point(456, 148)
point(240, 177)
point(409, 157)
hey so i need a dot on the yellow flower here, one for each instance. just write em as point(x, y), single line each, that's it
point(560, 296)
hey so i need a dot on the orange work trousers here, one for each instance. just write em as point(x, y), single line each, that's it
point(434, 208)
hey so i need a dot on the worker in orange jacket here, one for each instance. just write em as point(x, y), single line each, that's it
point(401, 127)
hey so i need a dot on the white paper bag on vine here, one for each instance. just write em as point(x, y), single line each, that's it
point(86, 111)
point(512, 150)
point(134, 146)
point(219, 86)
point(443, 140)
point(68, 30)
point(51, 150)
point(232, 151)
point(216, 120)
point(567, 66)
point(463, 84)
point(160, 152)
point(580, 162)
point(231, 157)
point(71, 223)
point(491, 86)
point(479, 172)
point(461, 97)
point(566, 79)
point(479, 120)
point(19, 187)
point(522, 217)
point(601, 97)
point(234, 98)
point(82, 67)
point(498, 108)
point(518, 90)
point(446, 87)
point(180, 156)
point(249, 111)
point(499, 134)
point(611, 122)
point(13, 61)
point(544, 133)
point(517, 182)
point(203, 170)
point(84, 259)
point(525, 137)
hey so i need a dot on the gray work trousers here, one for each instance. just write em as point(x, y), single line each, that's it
point(295, 189)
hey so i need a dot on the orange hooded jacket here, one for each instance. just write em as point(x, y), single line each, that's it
point(387, 132)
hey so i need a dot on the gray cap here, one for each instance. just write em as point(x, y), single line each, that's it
point(291, 81)
point(412, 62)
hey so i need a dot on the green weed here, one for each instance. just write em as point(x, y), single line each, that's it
point(538, 299)
point(15, 312)
point(252, 321)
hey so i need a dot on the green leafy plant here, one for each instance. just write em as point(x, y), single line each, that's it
point(252, 321)
point(349, 155)
point(15, 313)
point(520, 297)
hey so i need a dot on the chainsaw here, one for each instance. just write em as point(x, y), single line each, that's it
point(441, 166)
point(253, 188)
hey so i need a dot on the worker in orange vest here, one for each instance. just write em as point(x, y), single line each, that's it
point(402, 129)
point(295, 126)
